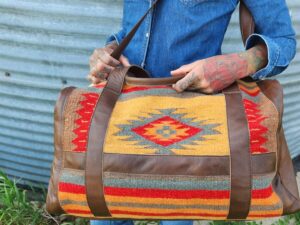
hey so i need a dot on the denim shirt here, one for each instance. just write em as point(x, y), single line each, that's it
point(178, 32)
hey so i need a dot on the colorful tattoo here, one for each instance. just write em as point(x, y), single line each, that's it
point(221, 71)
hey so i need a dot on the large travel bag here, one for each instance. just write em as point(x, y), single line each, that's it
point(134, 148)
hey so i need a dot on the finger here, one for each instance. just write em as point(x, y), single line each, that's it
point(183, 70)
point(185, 82)
point(94, 80)
point(106, 58)
point(124, 60)
point(101, 68)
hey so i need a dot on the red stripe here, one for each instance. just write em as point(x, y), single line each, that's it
point(159, 193)
point(166, 214)
point(78, 211)
point(71, 188)
point(265, 215)
point(262, 193)
point(180, 194)
point(143, 88)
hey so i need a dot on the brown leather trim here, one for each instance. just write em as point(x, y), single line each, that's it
point(182, 165)
point(52, 202)
point(247, 25)
point(74, 160)
point(284, 183)
point(240, 157)
point(97, 132)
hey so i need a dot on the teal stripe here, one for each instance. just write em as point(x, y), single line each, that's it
point(68, 202)
point(73, 177)
point(262, 182)
point(193, 206)
point(265, 207)
point(179, 182)
point(157, 92)
point(167, 184)
point(168, 206)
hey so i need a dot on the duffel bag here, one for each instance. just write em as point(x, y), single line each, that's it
point(134, 148)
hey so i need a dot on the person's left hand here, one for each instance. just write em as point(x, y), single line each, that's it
point(212, 74)
point(218, 72)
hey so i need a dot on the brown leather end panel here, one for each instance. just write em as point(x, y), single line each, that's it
point(285, 183)
point(52, 203)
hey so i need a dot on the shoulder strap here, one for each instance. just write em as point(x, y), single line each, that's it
point(246, 26)
point(118, 51)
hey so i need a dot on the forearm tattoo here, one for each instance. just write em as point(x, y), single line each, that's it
point(221, 71)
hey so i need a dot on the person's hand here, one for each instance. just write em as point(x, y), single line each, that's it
point(101, 63)
point(216, 73)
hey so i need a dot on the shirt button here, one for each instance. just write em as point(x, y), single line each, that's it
point(147, 35)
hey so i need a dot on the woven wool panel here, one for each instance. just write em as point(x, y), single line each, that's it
point(72, 193)
point(188, 124)
point(265, 202)
point(160, 196)
point(262, 118)
point(80, 107)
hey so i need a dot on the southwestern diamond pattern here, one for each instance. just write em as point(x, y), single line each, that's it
point(166, 130)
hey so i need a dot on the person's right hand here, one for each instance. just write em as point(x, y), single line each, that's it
point(101, 63)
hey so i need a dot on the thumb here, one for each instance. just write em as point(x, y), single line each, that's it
point(124, 60)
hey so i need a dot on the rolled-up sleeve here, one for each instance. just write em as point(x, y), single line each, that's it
point(118, 37)
point(273, 26)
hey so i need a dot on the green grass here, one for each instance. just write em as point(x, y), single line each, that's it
point(20, 206)
point(27, 207)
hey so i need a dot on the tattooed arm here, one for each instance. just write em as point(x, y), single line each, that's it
point(216, 73)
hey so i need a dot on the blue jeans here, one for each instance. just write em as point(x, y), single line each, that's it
point(130, 222)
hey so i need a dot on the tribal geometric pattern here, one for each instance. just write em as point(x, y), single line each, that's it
point(83, 122)
point(262, 118)
point(166, 130)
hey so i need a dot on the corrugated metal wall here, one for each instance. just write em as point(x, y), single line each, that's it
point(46, 46)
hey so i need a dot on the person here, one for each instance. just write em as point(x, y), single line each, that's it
point(184, 37)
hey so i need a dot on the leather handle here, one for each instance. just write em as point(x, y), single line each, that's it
point(134, 79)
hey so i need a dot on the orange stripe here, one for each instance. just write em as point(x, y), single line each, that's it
point(76, 207)
point(200, 201)
point(70, 196)
point(161, 210)
point(166, 214)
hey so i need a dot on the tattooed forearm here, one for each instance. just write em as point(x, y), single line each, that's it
point(257, 58)
point(221, 71)
point(218, 72)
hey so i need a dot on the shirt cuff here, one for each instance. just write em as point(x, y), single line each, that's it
point(118, 37)
point(273, 55)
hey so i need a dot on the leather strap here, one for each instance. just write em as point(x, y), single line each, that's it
point(118, 51)
point(240, 156)
point(97, 131)
point(247, 24)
